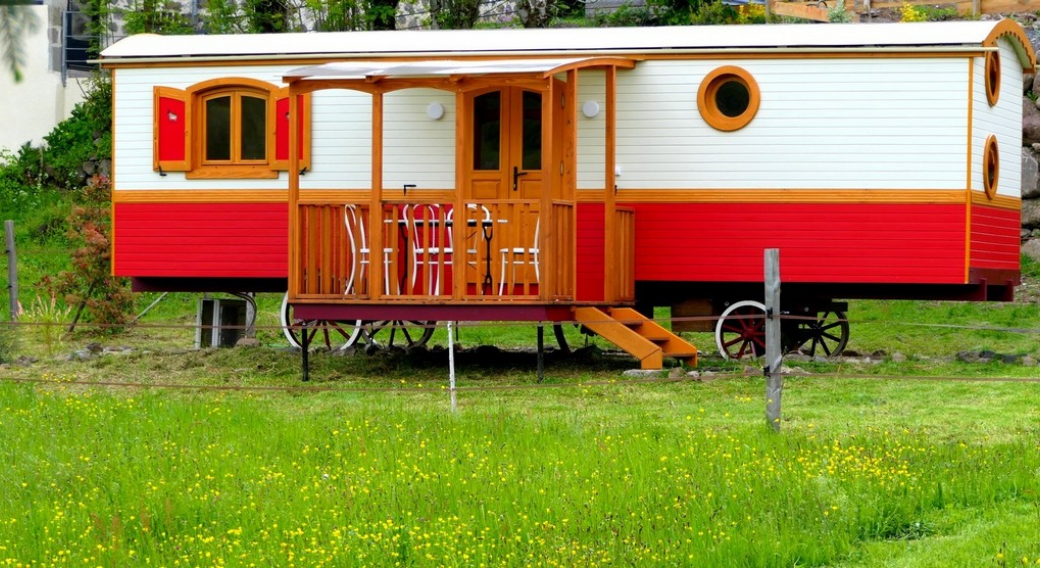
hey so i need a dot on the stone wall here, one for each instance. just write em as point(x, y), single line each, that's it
point(1031, 166)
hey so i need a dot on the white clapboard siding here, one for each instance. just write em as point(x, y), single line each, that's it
point(341, 128)
point(417, 149)
point(829, 123)
point(592, 131)
point(1003, 121)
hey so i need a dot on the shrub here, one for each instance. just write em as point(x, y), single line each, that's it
point(910, 13)
point(85, 137)
point(89, 286)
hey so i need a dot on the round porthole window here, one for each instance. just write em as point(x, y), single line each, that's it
point(728, 98)
point(990, 167)
point(992, 77)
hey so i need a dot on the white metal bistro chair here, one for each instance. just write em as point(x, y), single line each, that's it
point(429, 248)
point(360, 252)
point(521, 256)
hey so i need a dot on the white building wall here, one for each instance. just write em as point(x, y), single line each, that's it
point(1003, 121)
point(822, 124)
point(34, 106)
point(341, 131)
point(592, 131)
point(418, 150)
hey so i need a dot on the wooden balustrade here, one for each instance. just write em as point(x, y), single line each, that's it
point(491, 251)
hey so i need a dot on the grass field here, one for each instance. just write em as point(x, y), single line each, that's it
point(167, 456)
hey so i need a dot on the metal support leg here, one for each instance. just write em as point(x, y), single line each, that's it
point(305, 347)
point(541, 353)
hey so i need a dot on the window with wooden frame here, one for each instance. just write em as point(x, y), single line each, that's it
point(728, 98)
point(227, 128)
point(992, 77)
point(990, 167)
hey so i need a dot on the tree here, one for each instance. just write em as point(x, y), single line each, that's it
point(15, 23)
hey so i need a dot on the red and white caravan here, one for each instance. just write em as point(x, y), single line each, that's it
point(575, 175)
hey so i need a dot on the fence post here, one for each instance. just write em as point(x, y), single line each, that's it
point(12, 268)
point(774, 358)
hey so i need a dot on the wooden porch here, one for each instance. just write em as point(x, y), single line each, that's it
point(505, 235)
point(421, 252)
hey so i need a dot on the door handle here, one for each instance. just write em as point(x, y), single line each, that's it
point(516, 176)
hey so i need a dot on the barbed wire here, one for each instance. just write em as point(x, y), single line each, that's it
point(424, 324)
point(443, 388)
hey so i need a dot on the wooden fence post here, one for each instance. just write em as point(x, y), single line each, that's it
point(774, 358)
point(12, 268)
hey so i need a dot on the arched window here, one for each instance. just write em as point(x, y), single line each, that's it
point(227, 128)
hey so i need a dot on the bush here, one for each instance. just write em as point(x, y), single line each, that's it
point(90, 286)
point(85, 137)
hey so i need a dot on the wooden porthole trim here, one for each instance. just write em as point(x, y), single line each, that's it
point(992, 77)
point(728, 98)
point(990, 167)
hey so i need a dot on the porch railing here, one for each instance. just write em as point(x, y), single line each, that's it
point(489, 251)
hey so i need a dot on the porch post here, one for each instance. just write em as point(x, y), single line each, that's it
point(461, 191)
point(375, 209)
point(610, 253)
point(547, 286)
point(570, 180)
point(294, 195)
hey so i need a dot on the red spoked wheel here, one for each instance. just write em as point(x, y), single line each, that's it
point(741, 331)
point(387, 334)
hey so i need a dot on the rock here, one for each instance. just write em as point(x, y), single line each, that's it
point(898, 357)
point(247, 342)
point(81, 355)
point(94, 347)
point(1030, 174)
point(643, 373)
point(89, 168)
point(1032, 249)
point(675, 373)
point(1024, 234)
point(1029, 361)
point(105, 167)
point(1030, 122)
point(694, 374)
point(1031, 213)
point(752, 371)
point(1027, 82)
point(967, 357)
point(25, 360)
point(1010, 359)
point(123, 350)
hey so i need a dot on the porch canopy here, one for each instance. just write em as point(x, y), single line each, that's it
point(375, 71)
point(462, 76)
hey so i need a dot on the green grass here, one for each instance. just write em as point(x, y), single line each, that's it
point(865, 473)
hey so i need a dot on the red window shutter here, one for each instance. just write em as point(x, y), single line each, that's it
point(171, 138)
point(281, 130)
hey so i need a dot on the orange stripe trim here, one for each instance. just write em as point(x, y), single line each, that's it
point(997, 202)
point(307, 196)
point(1008, 27)
point(953, 196)
point(748, 55)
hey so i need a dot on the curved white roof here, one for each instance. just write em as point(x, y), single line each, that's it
point(569, 41)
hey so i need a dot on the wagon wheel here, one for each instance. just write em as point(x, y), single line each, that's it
point(741, 330)
point(333, 335)
point(561, 339)
point(829, 333)
point(399, 333)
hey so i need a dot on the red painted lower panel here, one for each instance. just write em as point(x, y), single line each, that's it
point(244, 240)
point(832, 243)
point(995, 238)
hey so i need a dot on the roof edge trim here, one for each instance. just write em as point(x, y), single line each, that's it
point(1023, 47)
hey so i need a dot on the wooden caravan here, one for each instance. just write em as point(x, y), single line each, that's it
point(571, 175)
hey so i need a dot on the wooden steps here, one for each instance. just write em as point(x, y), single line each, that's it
point(637, 335)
